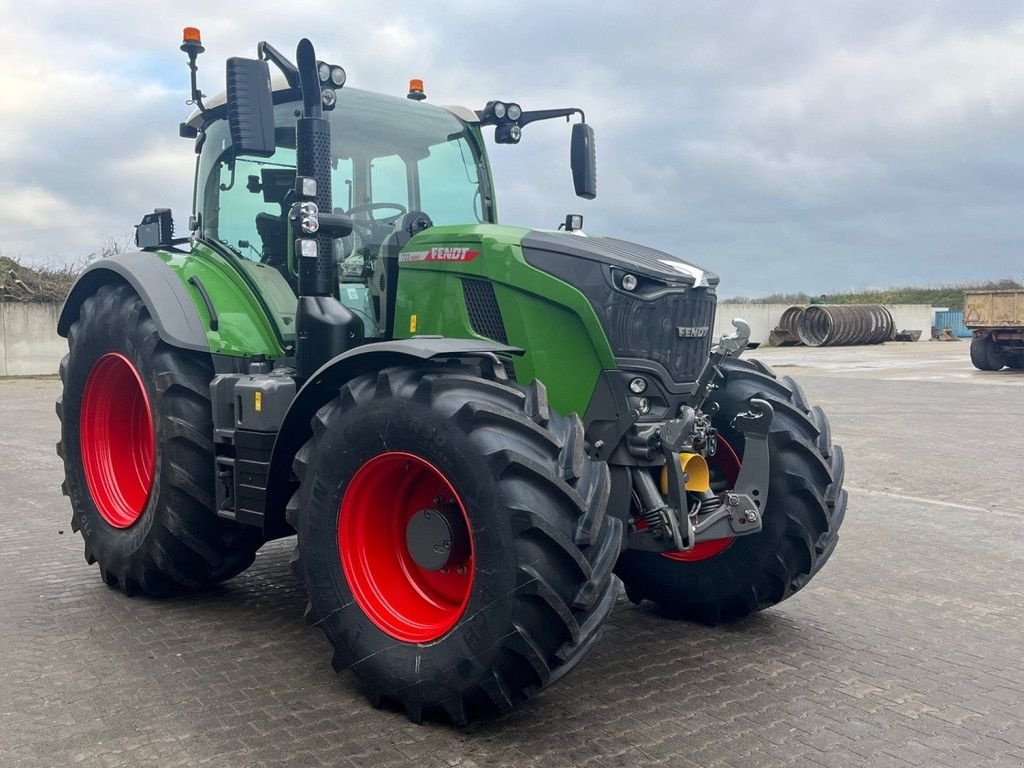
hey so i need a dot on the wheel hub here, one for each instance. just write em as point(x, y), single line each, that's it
point(435, 538)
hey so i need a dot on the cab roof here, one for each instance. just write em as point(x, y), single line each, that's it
point(283, 92)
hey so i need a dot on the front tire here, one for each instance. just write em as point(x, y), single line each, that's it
point(524, 600)
point(137, 445)
point(805, 507)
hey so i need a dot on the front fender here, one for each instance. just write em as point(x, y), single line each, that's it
point(324, 385)
point(166, 297)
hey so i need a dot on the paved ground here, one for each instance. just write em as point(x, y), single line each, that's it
point(906, 650)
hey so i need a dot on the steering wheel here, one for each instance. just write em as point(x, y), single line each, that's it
point(367, 207)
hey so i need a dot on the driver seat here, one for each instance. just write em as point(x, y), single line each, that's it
point(271, 230)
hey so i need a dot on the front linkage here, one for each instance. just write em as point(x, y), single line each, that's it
point(667, 521)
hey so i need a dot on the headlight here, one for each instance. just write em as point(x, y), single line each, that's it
point(338, 76)
point(515, 133)
point(330, 98)
point(514, 111)
point(309, 217)
point(498, 109)
point(323, 71)
point(638, 386)
point(629, 282)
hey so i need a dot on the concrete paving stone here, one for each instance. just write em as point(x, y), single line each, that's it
point(904, 651)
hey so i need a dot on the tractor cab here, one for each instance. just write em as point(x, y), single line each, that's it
point(324, 188)
point(390, 157)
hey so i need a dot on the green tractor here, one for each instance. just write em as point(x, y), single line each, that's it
point(477, 432)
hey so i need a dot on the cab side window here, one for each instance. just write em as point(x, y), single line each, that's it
point(250, 221)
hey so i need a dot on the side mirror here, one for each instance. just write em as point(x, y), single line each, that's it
point(583, 159)
point(250, 107)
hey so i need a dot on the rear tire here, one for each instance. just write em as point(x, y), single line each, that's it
point(1014, 360)
point(801, 519)
point(985, 354)
point(540, 581)
point(136, 440)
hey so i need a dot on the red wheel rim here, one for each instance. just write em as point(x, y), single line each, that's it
point(408, 602)
point(727, 462)
point(117, 440)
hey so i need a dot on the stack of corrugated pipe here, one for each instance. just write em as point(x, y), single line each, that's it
point(833, 325)
point(786, 335)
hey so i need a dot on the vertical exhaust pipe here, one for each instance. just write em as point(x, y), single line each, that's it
point(324, 326)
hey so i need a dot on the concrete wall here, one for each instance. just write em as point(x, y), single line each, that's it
point(764, 317)
point(29, 344)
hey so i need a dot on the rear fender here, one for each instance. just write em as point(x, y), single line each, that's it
point(323, 385)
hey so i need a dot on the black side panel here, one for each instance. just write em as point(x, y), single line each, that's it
point(161, 289)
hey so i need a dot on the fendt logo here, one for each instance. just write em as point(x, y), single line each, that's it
point(446, 253)
point(692, 331)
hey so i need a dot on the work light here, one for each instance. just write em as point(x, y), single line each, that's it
point(306, 186)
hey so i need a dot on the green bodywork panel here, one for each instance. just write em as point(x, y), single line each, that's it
point(255, 306)
point(566, 348)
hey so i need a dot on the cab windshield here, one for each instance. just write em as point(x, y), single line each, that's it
point(390, 156)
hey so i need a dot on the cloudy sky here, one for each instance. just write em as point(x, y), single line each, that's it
point(786, 145)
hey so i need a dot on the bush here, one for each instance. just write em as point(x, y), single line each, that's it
point(19, 282)
point(43, 284)
point(950, 295)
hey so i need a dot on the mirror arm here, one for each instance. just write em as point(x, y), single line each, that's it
point(548, 114)
point(269, 53)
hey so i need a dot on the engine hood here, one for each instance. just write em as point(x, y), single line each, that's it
point(621, 253)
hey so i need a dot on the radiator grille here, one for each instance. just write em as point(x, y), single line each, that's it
point(482, 306)
point(650, 330)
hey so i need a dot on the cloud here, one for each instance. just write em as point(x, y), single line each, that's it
point(810, 147)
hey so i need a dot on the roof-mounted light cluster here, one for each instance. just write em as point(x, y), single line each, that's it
point(505, 117)
point(331, 77)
